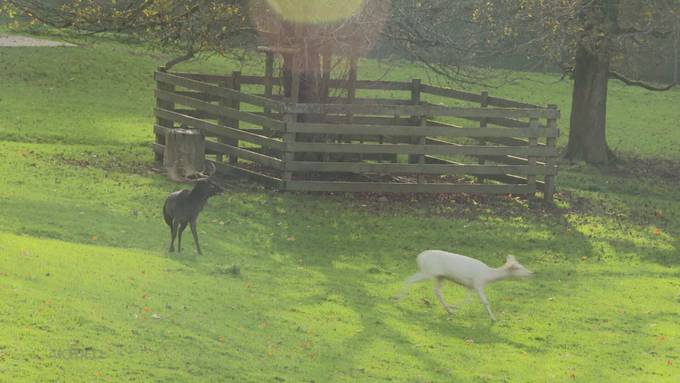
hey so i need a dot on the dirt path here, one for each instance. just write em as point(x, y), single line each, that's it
point(22, 41)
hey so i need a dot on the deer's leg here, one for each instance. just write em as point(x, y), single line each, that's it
point(438, 292)
point(417, 277)
point(485, 301)
point(173, 234)
point(182, 226)
point(193, 231)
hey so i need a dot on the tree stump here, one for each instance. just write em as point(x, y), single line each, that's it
point(184, 151)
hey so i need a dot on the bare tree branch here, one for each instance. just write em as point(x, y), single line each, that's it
point(642, 84)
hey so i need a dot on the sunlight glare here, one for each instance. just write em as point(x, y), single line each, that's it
point(315, 11)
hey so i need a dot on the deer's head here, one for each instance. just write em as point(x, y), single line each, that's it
point(203, 181)
point(516, 269)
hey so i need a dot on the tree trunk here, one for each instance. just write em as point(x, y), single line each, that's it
point(587, 140)
point(184, 151)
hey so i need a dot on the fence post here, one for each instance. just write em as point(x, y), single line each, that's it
point(269, 80)
point(235, 104)
point(482, 124)
point(326, 62)
point(351, 95)
point(288, 118)
point(227, 83)
point(351, 85)
point(551, 161)
point(421, 157)
point(160, 139)
point(533, 143)
point(416, 120)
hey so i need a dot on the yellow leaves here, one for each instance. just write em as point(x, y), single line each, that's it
point(232, 10)
point(149, 12)
point(476, 14)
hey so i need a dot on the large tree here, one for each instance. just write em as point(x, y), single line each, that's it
point(302, 31)
point(588, 38)
point(193, 25)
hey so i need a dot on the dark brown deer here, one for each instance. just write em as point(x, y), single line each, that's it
point(182, 207)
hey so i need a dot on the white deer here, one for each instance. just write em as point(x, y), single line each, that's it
point(465, 271)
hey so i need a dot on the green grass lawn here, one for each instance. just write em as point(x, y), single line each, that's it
point(88, 293)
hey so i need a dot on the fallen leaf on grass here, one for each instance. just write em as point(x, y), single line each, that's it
point(147, 309)
point(291, 238)
point(221, 339)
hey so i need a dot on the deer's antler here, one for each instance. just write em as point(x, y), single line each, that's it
point(189, 174)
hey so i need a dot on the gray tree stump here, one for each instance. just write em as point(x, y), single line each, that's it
point(184, 151)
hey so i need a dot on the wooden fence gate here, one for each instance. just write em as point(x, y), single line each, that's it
point(376, 136)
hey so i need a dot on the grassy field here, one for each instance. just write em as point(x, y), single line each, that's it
point(88, 293)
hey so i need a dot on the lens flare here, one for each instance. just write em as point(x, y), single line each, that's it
point(315, 11)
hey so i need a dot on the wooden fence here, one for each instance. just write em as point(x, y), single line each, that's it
point(368, 136)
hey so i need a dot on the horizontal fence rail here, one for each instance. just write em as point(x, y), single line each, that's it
point(423, 149)
point(422, 110)
point(401, 130)
point(383, 187)
point(215, 90)
point(364, 144)
point(307, 166)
